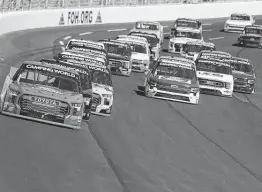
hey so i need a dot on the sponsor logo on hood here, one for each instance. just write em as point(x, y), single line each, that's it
point(181, 80)
point(210, 74)
point(107, 88)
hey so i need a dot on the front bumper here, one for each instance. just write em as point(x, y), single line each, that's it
point(244, 88)
point(100, 106)
point(140, 67)
point(236, 29)
point(248, 42)
point(172, 96)
point(216, 90)
point(120, 71)
point(68, 121)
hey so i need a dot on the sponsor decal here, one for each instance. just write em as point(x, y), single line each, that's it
point(49, 89)
point(69, 67)
point(79, 58)
point(86, 44)
point(87, 50)
point(207, 55)
point(97, 68)
point(62, 20)
point(79, 17)
point(180, 65)
point(210, 74)
point(98, 18)
point(109, 89)
point(214, 62)
point(44, 101)
point(51, 70)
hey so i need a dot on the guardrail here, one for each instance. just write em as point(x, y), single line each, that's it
point(24, 5)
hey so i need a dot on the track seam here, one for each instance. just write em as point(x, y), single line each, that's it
point(109, 161)
point(214, 143)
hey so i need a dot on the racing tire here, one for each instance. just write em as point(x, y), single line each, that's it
point(87, 116)
point(87, 113)
point(2, 103)
point(146, 92)
point(260, 44)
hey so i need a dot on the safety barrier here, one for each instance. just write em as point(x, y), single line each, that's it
point(14, 21)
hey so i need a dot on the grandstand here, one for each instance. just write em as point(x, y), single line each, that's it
point(23, 5)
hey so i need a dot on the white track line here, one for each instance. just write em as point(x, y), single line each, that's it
point(86, 33)
point(68, 37)
point(165, 26)
point(113, 30)
point(206, 30)
point(207, 24)
point(216, 38)
point(61, 43)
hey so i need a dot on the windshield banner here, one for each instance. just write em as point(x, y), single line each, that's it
point(80, 58)
point(51, 70)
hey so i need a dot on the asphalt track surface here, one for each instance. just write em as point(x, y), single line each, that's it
point(147, 145)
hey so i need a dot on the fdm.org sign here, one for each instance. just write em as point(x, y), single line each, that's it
point(80, 17)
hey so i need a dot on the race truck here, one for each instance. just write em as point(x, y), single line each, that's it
point(238, 21)
point(119, 54)
point(93, 49)
point(252, 36)
point(215, 77)
point(205, 54)
point(101, 77)
point(44, 93)
point(67, 56)
point(192, 48)
point(244, 74)
point(185, 23)
point(150, 27)
point(153, 41)
point(85, 80)
point(181, 37)
point(103, 93)
point(140, 54)
point(173, 79)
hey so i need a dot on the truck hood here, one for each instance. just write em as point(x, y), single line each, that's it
point(140, 56)
point(102, 89)
point(118, 57)
point(182, 40)
point(214, 76)
point(238, 23)
point(50, 92)
point(178, 82)
point(239, 74)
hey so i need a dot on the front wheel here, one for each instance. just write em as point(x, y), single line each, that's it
point(87, 113)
